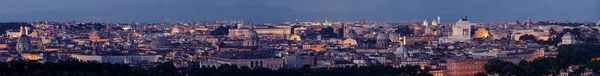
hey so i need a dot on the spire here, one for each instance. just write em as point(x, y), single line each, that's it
point(26, 30)
point(438, 20)
point(23, 31)
point(403, 40)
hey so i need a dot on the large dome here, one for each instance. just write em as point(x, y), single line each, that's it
point(383, 36)
point(24, 39)
point(251, 34)
point(402, 49)
point(568, 35)
point(160, 42)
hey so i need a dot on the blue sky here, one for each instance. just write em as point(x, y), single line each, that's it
point(304, 10)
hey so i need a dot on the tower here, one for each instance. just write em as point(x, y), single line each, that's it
point(438, 20)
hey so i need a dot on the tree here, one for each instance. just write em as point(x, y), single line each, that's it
point(328, 32)
point(527, 37)
point(496, 66)
point(220, 31)
point(572, 55)
point(593, 65)
point(404, 30)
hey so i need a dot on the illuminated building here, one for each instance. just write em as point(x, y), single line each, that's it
point(439, 20)
point(434, 22)
point(295, 38)
point(461, 32)
point(481, 33)
point(94, 37)
point(568, 38)
point(425, 23)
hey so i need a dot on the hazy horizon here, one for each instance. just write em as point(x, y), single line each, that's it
point(303, 10)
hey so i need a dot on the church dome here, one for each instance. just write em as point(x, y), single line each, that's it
point(568, 36)
point(402, 49)
point(24, 39)
point(160, 42)
point(383, 36)
point(24, 42)
point(251, 34)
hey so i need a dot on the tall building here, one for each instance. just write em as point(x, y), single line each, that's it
point(24, 42)
point(383, 40)
point(438, 20)
point(251, 38)
point(461, 31)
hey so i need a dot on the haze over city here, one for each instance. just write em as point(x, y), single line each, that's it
point(289, 10)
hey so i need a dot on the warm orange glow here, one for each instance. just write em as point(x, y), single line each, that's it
point(481, 33)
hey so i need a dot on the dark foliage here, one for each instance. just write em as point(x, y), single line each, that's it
point(78, 68)
point(580, 54)
point(220, 31)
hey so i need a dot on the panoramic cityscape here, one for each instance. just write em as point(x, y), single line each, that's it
point(296, 44)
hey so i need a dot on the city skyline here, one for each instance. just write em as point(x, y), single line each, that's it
point(289, 10)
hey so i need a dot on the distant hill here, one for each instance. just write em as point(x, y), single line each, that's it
point(12, 25)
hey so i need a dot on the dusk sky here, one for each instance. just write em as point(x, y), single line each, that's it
point(304, 10)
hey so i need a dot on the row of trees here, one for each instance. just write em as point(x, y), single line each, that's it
point(579, 54)
point(81, 68)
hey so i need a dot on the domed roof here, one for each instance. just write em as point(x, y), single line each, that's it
point(383, 36)
point(159, 42)
point(251, 34)
point(24, 39)
point(402, 49)
point(568, 35)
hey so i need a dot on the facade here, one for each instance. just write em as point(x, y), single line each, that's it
point(465, 67)
point(271, 63)
point(461, 32)
point(117, 58)
point(269, 32)
point(383, 40)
